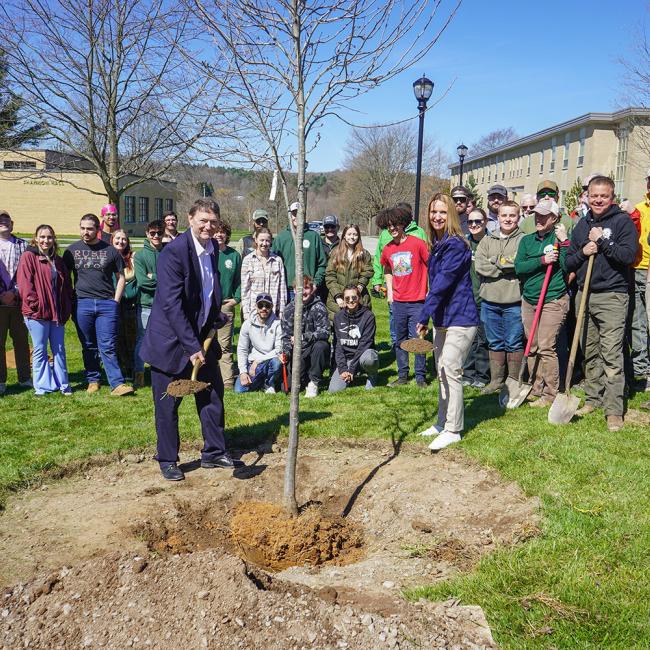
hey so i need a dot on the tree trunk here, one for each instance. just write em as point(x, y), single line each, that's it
point(290, 503)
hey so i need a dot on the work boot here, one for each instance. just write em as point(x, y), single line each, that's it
point(497, 372)
point(585, 410)
point(614, 422)
point(514, 363)
point(138, 380)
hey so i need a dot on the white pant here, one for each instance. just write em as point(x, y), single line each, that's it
point(451, 347)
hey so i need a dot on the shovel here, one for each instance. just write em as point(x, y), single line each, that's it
point(565, 405)
point(418, 345)
point(185, 387)
point(515, 391)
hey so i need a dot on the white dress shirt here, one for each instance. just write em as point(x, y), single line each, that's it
point(207, 277)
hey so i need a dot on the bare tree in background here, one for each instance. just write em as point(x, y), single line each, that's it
point(109, 82)
point(492, 140)
point(290, 65)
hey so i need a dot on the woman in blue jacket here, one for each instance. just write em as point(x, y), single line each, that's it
point(451, 307)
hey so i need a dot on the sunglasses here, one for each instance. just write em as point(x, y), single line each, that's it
point(264, 305)
point(474, 222)
point(329, 227)
point(460, 199)
point(351, 299)
point(155, 233)
point(550, 193)
point(528, 207)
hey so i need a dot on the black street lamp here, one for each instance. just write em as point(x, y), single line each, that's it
point(462, 152)
point(422, 89)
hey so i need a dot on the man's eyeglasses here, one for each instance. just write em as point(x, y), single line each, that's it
point(460, 199)
point(545, 193)
point(474, 222)
point(528, 207)
point(329, 227)
point(264, 305)
point(155, 233)
point(351, 299)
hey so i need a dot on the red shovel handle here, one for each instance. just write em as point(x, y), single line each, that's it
point(285, 381)
point(540, 304)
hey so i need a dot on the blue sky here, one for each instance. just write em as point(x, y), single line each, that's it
point(515, 63)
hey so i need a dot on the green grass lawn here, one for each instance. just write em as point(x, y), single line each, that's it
point(583, 582)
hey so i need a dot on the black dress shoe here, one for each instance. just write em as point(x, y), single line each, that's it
point(172, 472)
point(223, 462)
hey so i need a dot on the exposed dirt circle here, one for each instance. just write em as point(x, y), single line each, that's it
point(147, 561)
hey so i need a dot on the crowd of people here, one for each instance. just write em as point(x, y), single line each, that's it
point(476, 275)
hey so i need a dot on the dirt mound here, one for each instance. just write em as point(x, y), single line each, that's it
point(264, 534)
point(210, 600)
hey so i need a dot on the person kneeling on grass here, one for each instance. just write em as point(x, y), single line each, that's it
point(259, 349)
point(354, 328)
point(315, 355)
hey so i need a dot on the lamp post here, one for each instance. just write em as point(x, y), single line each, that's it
point(422, 89)
point(462, 152)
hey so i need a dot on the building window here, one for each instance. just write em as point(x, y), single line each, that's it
point(541, 161)
point(169, 205)
point(551, 167)
point(567, 142)
point(528, 165)
point(143, 209)
point(581, 147)
point(129, 209)
point(159, 208)
point(503, 167)
point(621, 161)
point(19, 164)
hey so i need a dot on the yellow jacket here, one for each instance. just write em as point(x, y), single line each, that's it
point(644, 209)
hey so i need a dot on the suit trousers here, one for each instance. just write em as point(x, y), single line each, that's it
point(209, 406)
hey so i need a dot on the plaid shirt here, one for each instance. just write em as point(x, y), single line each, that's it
point(259, 277)
point(8, 270)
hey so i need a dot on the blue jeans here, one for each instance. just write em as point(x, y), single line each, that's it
point(391, 325)
point(503, 326)
point(46, 378)
point(406, 316)
point(142, 320)
point(267, 374)
point(97, 322)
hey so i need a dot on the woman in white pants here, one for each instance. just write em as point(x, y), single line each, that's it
point(450, 306)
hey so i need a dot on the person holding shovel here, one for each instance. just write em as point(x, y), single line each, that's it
point(608, 233)
point(185, 312)
point(451, 307)
point(535, 253)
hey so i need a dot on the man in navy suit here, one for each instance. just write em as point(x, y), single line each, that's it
point(187, 305)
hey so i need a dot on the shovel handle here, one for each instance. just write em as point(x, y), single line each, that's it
point(578, 330)
point(206, 346)
point(540, 306)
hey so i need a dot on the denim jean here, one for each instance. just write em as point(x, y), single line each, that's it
point(46, 378)
point(391, 325)
point(503, 327)
point(142, 320)
point(97, 325)
point(266, 375)
point(406, 316)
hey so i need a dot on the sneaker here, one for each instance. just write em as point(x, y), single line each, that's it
point(421, 383)
point(445, 439)
point(371, 382)
point(311, 390)
point(121, 390)
point(585, 410)
point(614, 422)
point(468, 382)
point(400, 381)
point(26, 384)
point(67, 393)
point(478, 384)
point(270, 390)
point(93, 387)
point(138, 380)
point(433, 430)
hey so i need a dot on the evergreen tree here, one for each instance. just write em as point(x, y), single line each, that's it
point(471, 185)
point(573, 196)
point(13, 131)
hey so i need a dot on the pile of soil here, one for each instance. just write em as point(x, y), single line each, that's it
point(264, 534)
point(210, 600)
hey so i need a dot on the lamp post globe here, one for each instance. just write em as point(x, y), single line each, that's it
point(462, 152)
point(422, 89)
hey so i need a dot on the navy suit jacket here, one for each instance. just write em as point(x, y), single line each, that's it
point(173, 333)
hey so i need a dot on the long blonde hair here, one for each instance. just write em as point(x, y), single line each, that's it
point(340, 253)
point(452, 227)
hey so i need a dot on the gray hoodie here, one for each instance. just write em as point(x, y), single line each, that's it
point(258, 341)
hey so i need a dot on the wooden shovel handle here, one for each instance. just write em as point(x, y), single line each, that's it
point(206, 346)
point(578, 330)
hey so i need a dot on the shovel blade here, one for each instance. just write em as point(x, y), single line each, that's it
point(514, 393)
point(564, 407)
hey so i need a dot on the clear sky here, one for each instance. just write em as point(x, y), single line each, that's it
point(518, 63)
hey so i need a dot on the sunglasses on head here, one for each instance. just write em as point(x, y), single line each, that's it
point(474, 222)
point(264, 305)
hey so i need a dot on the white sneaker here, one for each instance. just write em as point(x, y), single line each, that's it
point(270, 390)
point(433, 430)
point(3, 389)
point(445, 439)
point(311, 390)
